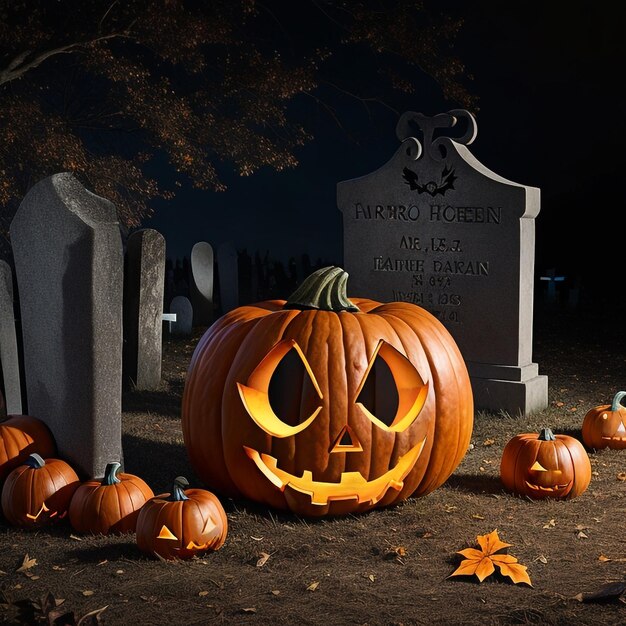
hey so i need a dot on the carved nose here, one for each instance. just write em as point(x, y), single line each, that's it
point(346, 441)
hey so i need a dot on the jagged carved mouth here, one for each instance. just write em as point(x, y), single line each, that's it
point(615, 438)
point(352, 485)
point(45, 509)
point(552, 489)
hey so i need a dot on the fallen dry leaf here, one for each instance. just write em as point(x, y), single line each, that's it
point(482, 563)
point(559, 403)
point(621, 476)
point(476, 516)
point(263, 558)
point(313, 586)
point(603, 558)
point(488, 442)
point(275, 592)
point(582, 535)
point(203, 593)
point(76, 538)
point(256, 538)
point(372, 577)
point(27, 563)
point(542, 559)
point(606, 593)
point(550, 524)
point(87, 592)
point(248, 609)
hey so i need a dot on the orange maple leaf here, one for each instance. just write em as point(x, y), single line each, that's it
point(482, 563)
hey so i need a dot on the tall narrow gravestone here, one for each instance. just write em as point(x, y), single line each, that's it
point(435, 227)
point(201, 286)
point(69, 266)
point(144, 282)
point(9, 359)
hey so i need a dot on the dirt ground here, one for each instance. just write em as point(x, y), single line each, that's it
point(385, 567)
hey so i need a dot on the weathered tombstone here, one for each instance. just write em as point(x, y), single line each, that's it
point(144, 283)
point(202, 283)
point(181, 307)
point(442, 231)
point(9, 359)
point(229, 276)
point(69, 266)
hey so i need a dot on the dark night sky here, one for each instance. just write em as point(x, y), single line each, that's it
point(548, 78)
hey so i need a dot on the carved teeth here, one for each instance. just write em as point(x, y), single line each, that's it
point(546, 489)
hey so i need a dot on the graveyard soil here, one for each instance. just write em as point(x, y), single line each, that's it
point(385, 567)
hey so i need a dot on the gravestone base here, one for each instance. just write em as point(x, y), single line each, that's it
point(519, 391)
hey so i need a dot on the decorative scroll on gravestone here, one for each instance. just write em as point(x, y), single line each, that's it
point(437, 228)
point(144, 282)
point(9, 360)
point(228, 268)
point(69, 266)
point(202, 283)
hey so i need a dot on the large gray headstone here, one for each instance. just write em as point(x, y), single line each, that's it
point(202, 272)
point(228, 268)
point(183, 309)
point(69, 266)
point(435, 227)
point(9, 359)
point(144, 282)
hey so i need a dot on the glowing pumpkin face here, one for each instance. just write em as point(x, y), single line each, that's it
point(605, 426)
point(326, 406)
point(545, 465)
point(183, 524)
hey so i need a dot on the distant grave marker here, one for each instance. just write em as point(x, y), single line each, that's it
point(69, 266)
point(435, 227)
point(144, 283)
point(9, 359)
point(202, 272)
point(182, 309)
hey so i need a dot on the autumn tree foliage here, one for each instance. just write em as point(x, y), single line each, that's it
point(99, 87)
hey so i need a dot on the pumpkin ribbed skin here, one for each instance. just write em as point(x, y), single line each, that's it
point(337, 346)
point(21, 435)
point(109, 506)
point(605, 426)
point(190, 522)
point(38, 493)
point(563, 469)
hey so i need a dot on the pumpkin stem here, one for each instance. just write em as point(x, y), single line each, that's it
point(324, 290)
point(546, 435)
point(178, 489)
point(110, 474)
point(617, 400)
point(34, 461)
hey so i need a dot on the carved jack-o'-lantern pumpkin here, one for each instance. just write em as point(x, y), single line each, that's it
point(324, 405)
point(544, 465)
point(38, 492)
point(181, 524)
point(605, 426)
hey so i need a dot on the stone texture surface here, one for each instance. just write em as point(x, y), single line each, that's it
point(144, 283)
point(201, 287)
point(69, 266)
point(9, 355)
point(435, 227)
point(181, 306)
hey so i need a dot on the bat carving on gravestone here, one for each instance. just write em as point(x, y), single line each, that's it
point(432, 187)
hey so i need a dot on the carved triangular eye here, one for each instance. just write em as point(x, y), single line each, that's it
point(282, 395)
point(392, 393)
point(166, 533)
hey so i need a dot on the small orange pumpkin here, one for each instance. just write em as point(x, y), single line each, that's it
point(21, 435)
point(38, 493)
point(183, 524)
point(605, 426)
point(110, 505)
point(545, 465)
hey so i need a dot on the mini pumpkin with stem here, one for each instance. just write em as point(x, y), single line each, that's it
point(181, 524)
point(545, 465)
point(110, 505)
point(605, 426)
point(38, 492)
